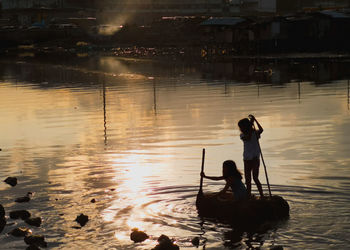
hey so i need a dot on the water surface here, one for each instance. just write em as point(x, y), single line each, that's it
point(129, 133)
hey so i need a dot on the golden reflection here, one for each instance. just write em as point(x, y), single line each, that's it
point(132, 76)
point(68, 125)
point(132, 189)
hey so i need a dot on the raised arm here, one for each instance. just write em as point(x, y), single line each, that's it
point(253, 119)
point(259, 126)
point(214, 178)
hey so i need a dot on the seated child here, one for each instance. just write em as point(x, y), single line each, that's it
point(233, 179)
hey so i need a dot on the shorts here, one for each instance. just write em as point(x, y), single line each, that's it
point(250, 165)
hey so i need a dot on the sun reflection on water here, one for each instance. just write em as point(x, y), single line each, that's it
point(143, 166)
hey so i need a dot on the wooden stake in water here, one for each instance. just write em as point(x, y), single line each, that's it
point(202, 170)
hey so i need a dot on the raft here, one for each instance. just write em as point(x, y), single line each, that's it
point(250, 211)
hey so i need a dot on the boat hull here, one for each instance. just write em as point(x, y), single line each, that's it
point(250, 211)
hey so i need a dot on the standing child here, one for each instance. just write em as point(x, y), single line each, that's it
point(251, 153)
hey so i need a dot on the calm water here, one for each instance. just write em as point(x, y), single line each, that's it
point(130, 134)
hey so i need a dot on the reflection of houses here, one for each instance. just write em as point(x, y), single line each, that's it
point(277, 72)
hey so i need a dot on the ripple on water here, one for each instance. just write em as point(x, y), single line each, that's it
point(102, 130)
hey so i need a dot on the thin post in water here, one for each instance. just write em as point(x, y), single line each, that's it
point(202, 170)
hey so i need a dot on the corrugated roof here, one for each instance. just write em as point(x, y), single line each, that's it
point(334, 14)
point(223, 21)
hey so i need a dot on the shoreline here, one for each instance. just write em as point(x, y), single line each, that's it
point(132, 52)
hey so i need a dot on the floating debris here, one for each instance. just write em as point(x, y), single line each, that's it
point(138, 236)
point(165, 243)
point(11, 181)
point(195, 241)
point(93, 201)
point(34, 221)
point(82, 219)
point(35, 240)
point(20, 232)
point(23, 214)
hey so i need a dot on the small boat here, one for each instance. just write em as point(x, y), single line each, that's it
point(249, 211)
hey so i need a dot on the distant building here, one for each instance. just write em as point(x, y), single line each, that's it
point(28, 4)
point(34, 12)
point(164, 6)
point(290, 6)
point(248, 7)
point(26, 12)
point(144, 11)
point(310, 32)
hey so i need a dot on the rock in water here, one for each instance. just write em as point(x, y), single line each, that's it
point(23, 214)
point(34, 221)
point(195, 241)
point(82, 219)
point(2, 211)
point(20, 232)
point(35, 240)
point(165, 243)
point(2, 224)
point(276, 248)
point(11, 181)
point(32, 247)
point(23, 199)
point(138, 236)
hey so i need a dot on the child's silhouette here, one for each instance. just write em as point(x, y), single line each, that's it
point(251, 154)
point(233, 179)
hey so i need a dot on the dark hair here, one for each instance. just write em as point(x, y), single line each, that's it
point(245, 126)
point(231, 168)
